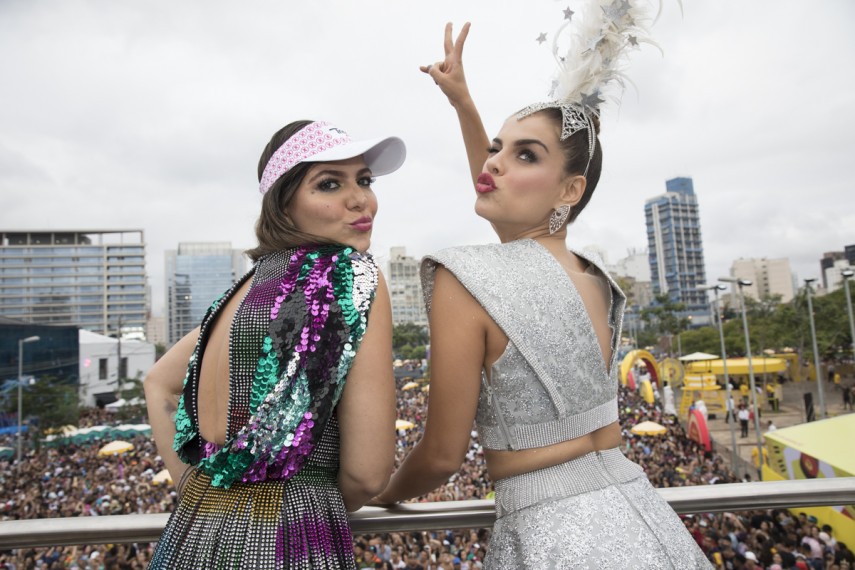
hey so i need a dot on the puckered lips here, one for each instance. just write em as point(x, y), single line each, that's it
point(363, 224)
point(485, 183)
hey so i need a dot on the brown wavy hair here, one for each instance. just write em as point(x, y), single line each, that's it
point(575, 149)
point(274, 229)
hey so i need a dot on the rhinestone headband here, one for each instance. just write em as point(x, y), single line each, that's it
point(575, 117)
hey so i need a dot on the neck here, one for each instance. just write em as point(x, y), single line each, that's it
point(541, 234)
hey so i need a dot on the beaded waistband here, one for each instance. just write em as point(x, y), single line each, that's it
point(589, 472)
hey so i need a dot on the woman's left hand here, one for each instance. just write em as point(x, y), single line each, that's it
point(448, 73)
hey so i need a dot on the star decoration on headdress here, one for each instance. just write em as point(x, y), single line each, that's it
point(541, 38)
point(592, 100)
point(633, 40)
point(592, 45)
point(568, 13)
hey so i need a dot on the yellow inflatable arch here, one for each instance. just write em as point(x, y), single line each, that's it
point(634, 356)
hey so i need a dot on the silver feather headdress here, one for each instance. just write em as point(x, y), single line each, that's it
point(600, 40)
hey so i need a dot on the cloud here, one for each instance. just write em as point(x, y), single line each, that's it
point(152, 115)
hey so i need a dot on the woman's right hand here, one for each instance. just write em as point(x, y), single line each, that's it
point(448, 73)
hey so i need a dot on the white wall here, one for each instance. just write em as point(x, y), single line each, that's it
point(94, 348)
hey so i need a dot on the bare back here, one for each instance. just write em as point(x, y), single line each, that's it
point(214, 373)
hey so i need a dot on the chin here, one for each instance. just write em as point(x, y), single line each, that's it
point(359, 245)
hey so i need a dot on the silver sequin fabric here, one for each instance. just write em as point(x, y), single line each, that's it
point(620, 526)
point(597, 511)
point(553, 355)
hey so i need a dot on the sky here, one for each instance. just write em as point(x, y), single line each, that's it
point(152, 115)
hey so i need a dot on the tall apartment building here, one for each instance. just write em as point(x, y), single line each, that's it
point(405, 288)
point(675, 248)
point(768, 277)
point(196, 274)
point(92, 279)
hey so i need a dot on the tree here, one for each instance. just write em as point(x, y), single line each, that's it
point(134, 393)
point(51, 404)
point(409, 334)
point(663, 316)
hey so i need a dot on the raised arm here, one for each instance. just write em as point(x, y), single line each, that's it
point(366, 412)
point(448, 75)
point(163, 385)
point(458, 333)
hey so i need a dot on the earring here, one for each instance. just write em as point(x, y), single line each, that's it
point(558, 217)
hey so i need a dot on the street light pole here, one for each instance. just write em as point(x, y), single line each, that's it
point(819, 384)
point(732, 421)
point(21, 343)
point(747, 283)
point(847, 275)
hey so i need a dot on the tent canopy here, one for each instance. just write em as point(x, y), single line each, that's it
point(648, 428)
point(695, 356)
point(116, 447)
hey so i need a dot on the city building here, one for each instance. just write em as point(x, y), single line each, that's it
point(633, 273)
point(155, 330)
point(91, 279)
point(67, 355)
point(827, 261)
point(196, 274)
point(768, 277)
point(405, 288)
point(675, 248)
point(104, 361)
point(832, 275)
point(51, 353)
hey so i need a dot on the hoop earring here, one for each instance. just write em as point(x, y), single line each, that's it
point(558, 217)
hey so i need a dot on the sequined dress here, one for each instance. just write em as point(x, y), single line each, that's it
point(551, 384)
point(268, 497)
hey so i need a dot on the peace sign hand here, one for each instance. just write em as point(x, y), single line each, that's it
point(448, 73)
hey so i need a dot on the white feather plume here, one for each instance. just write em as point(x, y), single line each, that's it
point(599, 39)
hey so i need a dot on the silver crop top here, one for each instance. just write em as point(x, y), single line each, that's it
point(551, 384)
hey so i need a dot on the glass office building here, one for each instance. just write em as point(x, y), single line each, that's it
point(675, 248)
point(55, 355)
point(92, 279)
point(196, 275)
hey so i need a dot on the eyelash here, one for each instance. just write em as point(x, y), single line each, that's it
point(525, 154)
point(332, 184)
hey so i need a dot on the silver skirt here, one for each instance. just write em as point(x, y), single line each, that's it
point(598, 511)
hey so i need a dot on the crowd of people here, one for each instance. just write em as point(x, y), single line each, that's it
point(73, 480)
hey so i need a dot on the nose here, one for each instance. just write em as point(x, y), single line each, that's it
point(357, 198)
point(493, 163)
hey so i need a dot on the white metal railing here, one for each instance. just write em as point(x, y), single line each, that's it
point(437, 516)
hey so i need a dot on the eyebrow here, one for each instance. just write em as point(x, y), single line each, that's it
point(338, 173)
point(523, 142)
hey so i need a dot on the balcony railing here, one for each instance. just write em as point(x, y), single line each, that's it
point(437, 516)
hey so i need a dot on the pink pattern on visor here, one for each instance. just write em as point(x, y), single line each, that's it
point(306, 143)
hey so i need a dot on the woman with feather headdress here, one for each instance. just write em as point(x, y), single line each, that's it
point(524, 333)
